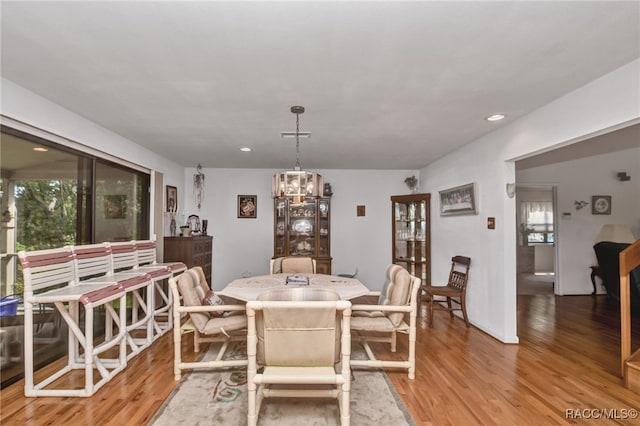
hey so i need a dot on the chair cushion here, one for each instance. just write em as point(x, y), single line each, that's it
point(224, 324)
point(189, 289)
point(198, 276)
point(297, 265)
point(294, 332)
point(396, 292)
point(371, 323)
point(208, 323)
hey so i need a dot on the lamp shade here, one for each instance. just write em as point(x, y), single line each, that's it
point(616, 233)
point(297, 183)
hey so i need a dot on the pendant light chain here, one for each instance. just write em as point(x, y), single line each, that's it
point(297, 184)
point(298, 141)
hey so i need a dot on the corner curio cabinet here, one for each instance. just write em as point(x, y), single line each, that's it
point(303, 229)
point(411, 235)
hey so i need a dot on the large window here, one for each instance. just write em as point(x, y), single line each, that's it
point(536, 218)
point(51, 196)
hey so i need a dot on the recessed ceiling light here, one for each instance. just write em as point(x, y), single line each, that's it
point(495, 117)
point(40, 149)
point(245, 149)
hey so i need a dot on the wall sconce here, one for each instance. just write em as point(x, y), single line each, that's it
point(511, 190)
point(623, 176)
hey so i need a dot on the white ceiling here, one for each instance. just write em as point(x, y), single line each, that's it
point(385, 84)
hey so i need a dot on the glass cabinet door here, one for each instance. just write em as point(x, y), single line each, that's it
point(280, 225)
point(302, 228)
point(323, 227)
point(411, 239)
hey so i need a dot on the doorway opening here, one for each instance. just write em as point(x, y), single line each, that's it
point(536, 240)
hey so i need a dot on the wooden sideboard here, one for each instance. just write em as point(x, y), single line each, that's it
point(192, 251)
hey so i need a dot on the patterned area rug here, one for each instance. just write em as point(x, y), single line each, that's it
point(219, 397)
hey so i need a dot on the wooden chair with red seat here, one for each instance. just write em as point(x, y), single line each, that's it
point(455, 291)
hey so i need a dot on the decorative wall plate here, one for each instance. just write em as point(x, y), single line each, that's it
point(302, 226)
point(601, 204)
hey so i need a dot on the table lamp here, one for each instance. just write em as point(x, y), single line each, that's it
point(616, 233)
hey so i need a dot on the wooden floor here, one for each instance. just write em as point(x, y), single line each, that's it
point(568, 359)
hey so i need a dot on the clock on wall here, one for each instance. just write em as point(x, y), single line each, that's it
point(601, 204)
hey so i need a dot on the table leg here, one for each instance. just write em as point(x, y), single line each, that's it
point(595, 272)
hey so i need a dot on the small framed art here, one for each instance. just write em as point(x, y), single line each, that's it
point(247, 206)
point(601, 204)
point(458, 200)
point(172, 199)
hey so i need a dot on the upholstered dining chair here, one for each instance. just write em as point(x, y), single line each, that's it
point(293, 265)
point(455, 291)
point(210, 319)
point(300, 339)
point(381, 322)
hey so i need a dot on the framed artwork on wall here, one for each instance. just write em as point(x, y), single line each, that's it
point(172, 199)
point(247, 206)
point(458, 200)
point(601, 204)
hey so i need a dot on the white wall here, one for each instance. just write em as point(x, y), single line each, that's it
point(578, 180)
point(246, 245)
point(606, 103)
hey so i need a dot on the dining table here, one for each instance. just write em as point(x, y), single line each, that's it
point(250, 288)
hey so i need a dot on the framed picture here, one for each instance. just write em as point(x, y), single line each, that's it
point(247, 206)
point(172, 199)
point(458, 200)
point(115, 206)
point(601, 204)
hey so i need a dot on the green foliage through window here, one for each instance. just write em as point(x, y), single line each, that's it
point(47, 212)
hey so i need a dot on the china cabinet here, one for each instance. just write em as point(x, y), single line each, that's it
point(411, 235)
point(303, 229)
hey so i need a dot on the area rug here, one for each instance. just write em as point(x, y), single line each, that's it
point(219, 397)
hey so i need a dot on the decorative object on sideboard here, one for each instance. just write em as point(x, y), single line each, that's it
point(623, 177)
point(193, 222)
point(198, 186)
point(297, 182)
point(205, 225)
point(580, 204)
point(458, 200)
point(601, 204)
point(412, 183)
point(172, 225)
point(327, 192)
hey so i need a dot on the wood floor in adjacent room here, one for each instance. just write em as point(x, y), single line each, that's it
point(567, 359)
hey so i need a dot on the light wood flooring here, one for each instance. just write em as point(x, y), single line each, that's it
point(567, 359)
